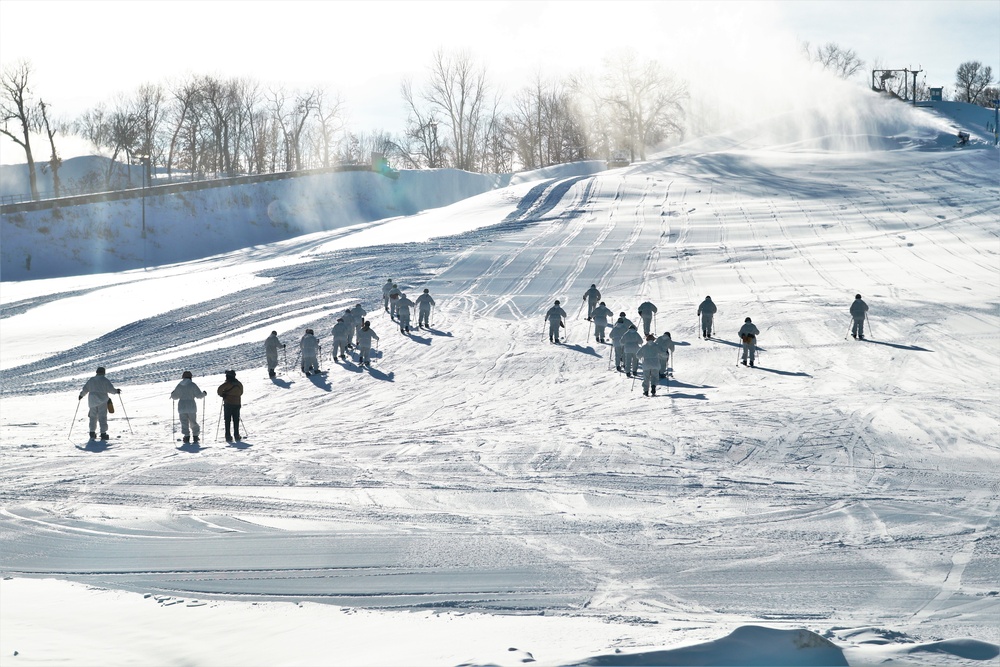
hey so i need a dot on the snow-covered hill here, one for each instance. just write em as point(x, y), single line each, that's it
point(481, 496)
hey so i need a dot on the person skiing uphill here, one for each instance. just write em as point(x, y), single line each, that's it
point(98, 388)
point(748, 335)
point(359, 320)
point(707, 310)
point(617, 331)
point(646, 312)
point(185, 393)
point(631, 342)
point(385, 294)
point(341, 331)
point(859, 309)
point(231, 392)
point(309, 346)
point(652, 356)
point(351, 319)
point(591, 296)
point(554, 316)
point(666, 344)
point(365, 343)
point(424, 304)
point(271, 345)
point(404, 307)
point(393, 300)
point(600, 316)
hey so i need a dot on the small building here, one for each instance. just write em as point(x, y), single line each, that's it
point(936, 94)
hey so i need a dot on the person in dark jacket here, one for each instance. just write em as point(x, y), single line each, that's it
point(231, 392)
point(859, 310)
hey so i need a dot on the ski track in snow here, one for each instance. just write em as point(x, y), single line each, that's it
point(477, 466)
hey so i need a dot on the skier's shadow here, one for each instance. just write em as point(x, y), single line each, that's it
point(95, 446)
point(191, 448)
point(585, 350)
point(284, 384)
point(419, 339)
point(684, 385)
point(777, 372)
point(438, 332)
point(912, 348)
point(320, 381)
point(379, 375)
point(242, 444)
point(670, 394)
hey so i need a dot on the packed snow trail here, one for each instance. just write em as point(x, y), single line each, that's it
point(477, 466)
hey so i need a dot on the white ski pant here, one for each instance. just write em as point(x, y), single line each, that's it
point(554, 330)
point(309, 361)
point(339, 348)
point(650, 378)
point(599, 332)
point(423, 317)
point(272, 360)
point(859, 327)
point(631, 363)
point(99, 415)
point(189, 424)
point(750, 348)
point(647, 321)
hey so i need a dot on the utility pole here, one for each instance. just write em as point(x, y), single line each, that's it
point(915, 73)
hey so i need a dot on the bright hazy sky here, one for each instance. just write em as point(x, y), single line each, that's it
point(85, 52)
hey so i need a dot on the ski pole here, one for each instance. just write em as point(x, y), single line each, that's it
point(173, 418)
point(244, 427)
point(870, 332)
point(633, 381)
point(739, 353)
point(219, 423)
point(73, 423)
point(127, 421)
point(610, 352)
point(850, 329)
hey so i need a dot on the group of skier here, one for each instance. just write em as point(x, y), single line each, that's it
point(630, 351)
point(98, 390)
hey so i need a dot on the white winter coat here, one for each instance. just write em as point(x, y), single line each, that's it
point(185, 393)
point(424, 302)
point(601, 315)
point(858, 309)
point(365, 337)
point(555, 314)
point(309, 345)
point(341, 331)
point(631, 341)
point(650, 355)
point(98, 388)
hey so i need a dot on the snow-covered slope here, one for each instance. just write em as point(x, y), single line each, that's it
point(524, 498)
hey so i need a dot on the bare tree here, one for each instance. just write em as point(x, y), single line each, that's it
point(843, 62)
point(458, 90)
point(971, 81)
point(329, 111)
point(425, 145)
point(644, 101)
point(50, 131)
point(18, 110)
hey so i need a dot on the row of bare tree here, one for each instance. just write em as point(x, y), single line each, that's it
point(204, 126)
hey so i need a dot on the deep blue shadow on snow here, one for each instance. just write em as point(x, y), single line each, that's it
point(284, 384)
point(586, 350)
point(95, 446)
point(913, 348)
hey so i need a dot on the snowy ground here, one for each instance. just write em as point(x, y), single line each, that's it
point(480, 496)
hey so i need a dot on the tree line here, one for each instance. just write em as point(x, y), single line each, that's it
point(207, 126)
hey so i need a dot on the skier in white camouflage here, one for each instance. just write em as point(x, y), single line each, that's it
point(617, 331)
point(631, 342)
point(651, 355)
point(385, 295)
point(859, 310)
point(359, 320)
point(271, 346)
point(666, 344)
point(98, 388)
point(341, 332)
point(309, 346)
point(646, 311)
point(591, 296)
point(424, 304)
point(394, 299)
point(404, 309)
point(748, 336)
point(365, 343)
point(601, 315)
point(185, 394)
point(707, 310)
point(555, 316)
